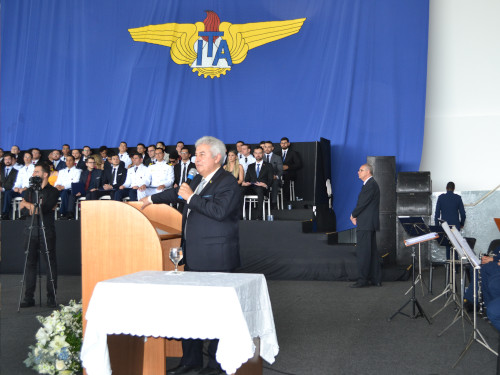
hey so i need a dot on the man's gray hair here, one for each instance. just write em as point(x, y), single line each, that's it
point(370, 168)
point(217, 147)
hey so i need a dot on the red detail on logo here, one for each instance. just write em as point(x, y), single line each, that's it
point(212, 23)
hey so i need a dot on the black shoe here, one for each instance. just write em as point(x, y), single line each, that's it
point(28, 303)
point(70, 217)
point(63, 217)
point(51, 302)
point(182, 369)
point(211, 371)
point(375, 284)
point(5, 217)
point(358, 285)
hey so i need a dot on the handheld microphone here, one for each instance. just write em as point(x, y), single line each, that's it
point(190, 175)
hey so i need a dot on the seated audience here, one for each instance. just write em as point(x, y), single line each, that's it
point(136, 182)
point(23, 176)
point(113, 177)
point(173, 158)
point(65, 150)
point(37, 155)
point(86, 152)
point(233, 165)
point(123, 154)
point(150, 158)
point(65, 178)
point(246, 158)
point(161, 175)
point(91, 178)
point(182, 169)
point(8, 175)
point(258, 178)
point(141, 150)
point(238, 148)
point(79, 163)
point(57, 163)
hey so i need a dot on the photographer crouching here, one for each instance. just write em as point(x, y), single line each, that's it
point(35, 239)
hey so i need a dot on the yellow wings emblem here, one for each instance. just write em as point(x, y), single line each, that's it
point(211, 47)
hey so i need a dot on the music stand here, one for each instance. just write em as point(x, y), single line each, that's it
point(453, 297)
point(475, 263)
point(413, 299)
point(442, 240)
point(415, 227)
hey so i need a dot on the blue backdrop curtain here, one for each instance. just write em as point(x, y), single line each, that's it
point(355, 74)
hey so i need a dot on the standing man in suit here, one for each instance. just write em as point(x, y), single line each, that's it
point(8, 175)
point(258, 179)
point(291, 164)
point(450, 208)
point(366, 217)
point(277, 164)
point(209, 232)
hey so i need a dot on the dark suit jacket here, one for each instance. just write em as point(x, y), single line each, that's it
point(277, 164)
point(449, 207)
point(265, 174)
point(211, 231)
point(95, 178)
point(81, 165)
point(178, 168)
point(107, 177)
point(293, 161)
point(367, 208)
point(8, 183)
point(61, 165)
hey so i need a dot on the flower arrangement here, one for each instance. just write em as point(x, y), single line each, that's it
point(59, 340)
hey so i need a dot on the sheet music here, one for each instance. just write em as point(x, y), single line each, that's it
point(453, 239)
point(423, 238)
point(473, 259)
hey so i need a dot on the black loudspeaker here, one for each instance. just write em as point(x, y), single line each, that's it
point(386, 237)
point(414, 204)
point(414, 182)
point(384, 172)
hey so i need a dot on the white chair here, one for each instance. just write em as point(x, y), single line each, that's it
point(78, 206)
point(58, 207)
point(16, 211)
point(279, 202)
point(251, 200)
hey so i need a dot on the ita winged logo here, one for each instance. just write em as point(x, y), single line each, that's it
point(212, 47)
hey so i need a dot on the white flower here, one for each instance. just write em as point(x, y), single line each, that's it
point(60, 365)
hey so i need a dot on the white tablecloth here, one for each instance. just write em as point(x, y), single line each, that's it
point(229, 306)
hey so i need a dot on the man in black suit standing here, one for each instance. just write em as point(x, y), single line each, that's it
point(366, 217)
point(258, 179)
point(277, 164)
point(291, 164)
point(210, 232)
point(8, 175)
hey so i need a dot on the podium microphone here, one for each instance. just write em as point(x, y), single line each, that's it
point(190, 175)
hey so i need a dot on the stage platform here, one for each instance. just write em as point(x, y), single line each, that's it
point(278, 249)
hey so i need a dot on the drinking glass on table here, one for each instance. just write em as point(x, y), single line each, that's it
point(176, 255)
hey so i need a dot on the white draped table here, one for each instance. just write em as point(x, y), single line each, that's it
point(231, 307)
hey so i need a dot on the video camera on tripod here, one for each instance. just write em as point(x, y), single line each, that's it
point(36, 183)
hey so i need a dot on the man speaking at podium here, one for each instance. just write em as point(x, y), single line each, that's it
point(210, 229)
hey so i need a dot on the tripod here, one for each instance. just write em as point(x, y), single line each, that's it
point(37, 212)
point(413, 299)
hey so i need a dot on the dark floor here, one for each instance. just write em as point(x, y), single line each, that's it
point(322, 327)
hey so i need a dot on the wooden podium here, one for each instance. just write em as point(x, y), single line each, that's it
point(118, 239)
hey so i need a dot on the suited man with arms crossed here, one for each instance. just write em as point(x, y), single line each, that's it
point(366, 217)
point(277, 164)
point(209, 232)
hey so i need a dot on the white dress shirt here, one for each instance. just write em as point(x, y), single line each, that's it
point(23, 176)
point(161, 174)
point(68, 176)
point(125, 158)
point(137, 176)
point(245, 161)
